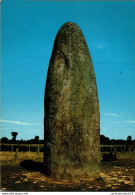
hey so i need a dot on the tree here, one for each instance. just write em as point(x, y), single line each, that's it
point(4, 140)
point(104, 140)
point(36, 138)
point(129, 140)
point(14, 134)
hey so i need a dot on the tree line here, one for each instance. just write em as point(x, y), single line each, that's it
point(107, 141)
point(103, 140)
point(14, 141)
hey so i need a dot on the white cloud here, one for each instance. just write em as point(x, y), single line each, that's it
point(112, 114)
point(115, 122)
point(15, 122)
point(102, 45)
point(37, 124)
point(129, 121)
point(4, 128)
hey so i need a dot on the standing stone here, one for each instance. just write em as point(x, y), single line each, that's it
point(72, 119)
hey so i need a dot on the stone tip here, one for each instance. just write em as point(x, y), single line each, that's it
point(68, 31)
point(70, 25)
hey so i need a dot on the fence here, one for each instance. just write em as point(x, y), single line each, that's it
point(22, 147)
point(40, 147)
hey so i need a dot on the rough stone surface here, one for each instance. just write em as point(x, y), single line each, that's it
point(72, 119)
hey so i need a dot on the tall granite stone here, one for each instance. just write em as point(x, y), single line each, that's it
point(72, 119)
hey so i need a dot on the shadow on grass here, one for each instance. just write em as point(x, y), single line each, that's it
point(119, 163)
point(31, 165)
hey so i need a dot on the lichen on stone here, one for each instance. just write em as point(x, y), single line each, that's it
point(71, 109)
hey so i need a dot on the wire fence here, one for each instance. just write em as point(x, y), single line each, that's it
point(40, 148)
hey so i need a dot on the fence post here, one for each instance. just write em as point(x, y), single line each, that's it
point(29, 148)
point(124, 148)
point(12, 148)
point(16, 154)
point(102, 148)
point(111, 148)
point(37, 153)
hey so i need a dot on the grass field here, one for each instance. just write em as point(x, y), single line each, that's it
point(26, 173)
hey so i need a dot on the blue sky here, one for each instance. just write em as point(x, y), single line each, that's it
point(28, 30)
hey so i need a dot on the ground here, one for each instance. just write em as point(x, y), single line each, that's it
point(26, 174)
